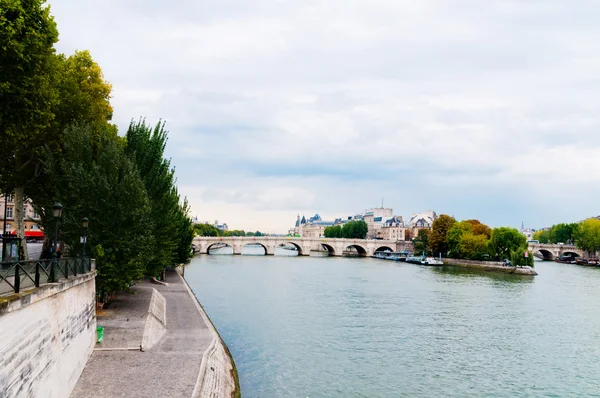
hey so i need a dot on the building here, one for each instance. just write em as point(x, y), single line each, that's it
point(314, 227)
point(376, 218)
point(220, 227)
point(31, 217)
point(392, 229)
point(422, 220)
point(381, 223)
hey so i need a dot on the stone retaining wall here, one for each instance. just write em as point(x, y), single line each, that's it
point(489, 266)
point(47, 335)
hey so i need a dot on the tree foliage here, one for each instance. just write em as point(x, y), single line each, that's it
point(97, 181)
point(505, 240)
point(205, 230)
point(438, 242)
point(145, 147)
point(333, 231)
point(421, 242)
point(468, 239)
point(587, 235)
point(558, 233)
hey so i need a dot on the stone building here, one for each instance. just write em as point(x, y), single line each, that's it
point(422, 220)
point(376, 218)
point(392, 229)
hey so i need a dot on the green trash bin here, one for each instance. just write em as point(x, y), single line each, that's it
point(100, 334)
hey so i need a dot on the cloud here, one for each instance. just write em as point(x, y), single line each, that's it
point(481, 110)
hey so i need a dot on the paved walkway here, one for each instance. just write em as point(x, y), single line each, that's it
point(169, 369)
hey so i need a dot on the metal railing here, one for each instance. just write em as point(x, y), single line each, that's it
point(15, 276)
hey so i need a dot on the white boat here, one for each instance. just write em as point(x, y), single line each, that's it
point(431, 261)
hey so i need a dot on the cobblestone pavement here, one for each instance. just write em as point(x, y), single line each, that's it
point(169, 369)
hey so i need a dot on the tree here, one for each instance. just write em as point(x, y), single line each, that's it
point(94, 179)
point(480, 229)
point(206, 230)
point(474, 247)
point(587, 235)
point(421, 242)
point(437, 239)
point(355, 230)
point(542, 236)
point(454, 236)
point(145, 147)
point(333, 232)
point(27, 93)
point(505, 240)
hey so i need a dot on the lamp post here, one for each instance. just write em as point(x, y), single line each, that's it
point(84, 226)
point(57, 213)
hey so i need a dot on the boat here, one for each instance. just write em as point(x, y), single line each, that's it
point(566, 259)
point(431, 261)
point(399, 256)
point(415, 259)
point(423, 260)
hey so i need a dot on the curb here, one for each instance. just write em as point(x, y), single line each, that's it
point(212, 348)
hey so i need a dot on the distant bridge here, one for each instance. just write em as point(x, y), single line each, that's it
point(335, 246)
point(549, 251)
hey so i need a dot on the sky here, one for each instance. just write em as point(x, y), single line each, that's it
point(476, 109)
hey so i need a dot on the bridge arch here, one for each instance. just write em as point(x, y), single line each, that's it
point(570, 253)
point(220, 245)
point(359, 249)
point(546, 255)
point(383, 249)
point(329, 248)
point(289, 243)
point(254, 244)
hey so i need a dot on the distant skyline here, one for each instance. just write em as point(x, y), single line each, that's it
point(485, 110)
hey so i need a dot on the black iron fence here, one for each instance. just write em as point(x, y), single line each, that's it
point(15, 276)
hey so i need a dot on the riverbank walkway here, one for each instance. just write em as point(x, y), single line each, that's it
point(174, 366)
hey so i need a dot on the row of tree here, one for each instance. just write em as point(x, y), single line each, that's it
point(473, 240)
point(57, 145)
point(585, 234)
point(211, 230)
point(351, 230)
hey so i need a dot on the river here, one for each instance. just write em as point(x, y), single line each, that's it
point(363, 327)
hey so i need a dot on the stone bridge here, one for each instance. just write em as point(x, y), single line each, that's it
point(550, 251)
point(335, 246)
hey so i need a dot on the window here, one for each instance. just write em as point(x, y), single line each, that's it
point(36, 215)
point(9, 212)
point(9, 197)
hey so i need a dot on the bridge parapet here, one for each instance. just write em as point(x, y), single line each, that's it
point(335, 246)
point(550, 251)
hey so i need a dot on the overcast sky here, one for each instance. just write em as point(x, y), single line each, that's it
point(477, 109)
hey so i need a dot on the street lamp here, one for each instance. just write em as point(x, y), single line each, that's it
point(57, 213)
point(84, 226)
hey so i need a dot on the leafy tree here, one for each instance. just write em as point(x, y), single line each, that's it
point(480, 229)
point(587, 235)
point(505, 240)
point(93, 178)
point(206, 230)
point(474, 247)
point(518, 258)
point(438, 242)
point(542, 236)
point(421, 242)
point(355, 230)
point(145, 147)
point(333, 232)
point(27, 93)
point(454, 236)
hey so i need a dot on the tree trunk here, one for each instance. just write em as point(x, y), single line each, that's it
point(19, 216)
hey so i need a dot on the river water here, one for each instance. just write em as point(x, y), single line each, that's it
point(363, 327)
